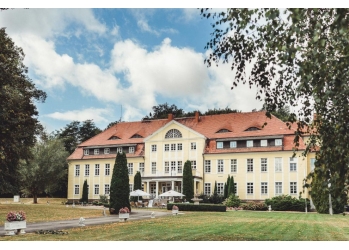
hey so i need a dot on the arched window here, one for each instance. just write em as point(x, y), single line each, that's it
point(173, 133)
point(223, 130)
point(252, 129)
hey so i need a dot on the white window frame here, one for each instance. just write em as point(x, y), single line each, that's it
point(264, 143)
point(278, 142)
point(233, 144)
point(87, 169)
point(107, 151)
point(86, 151)
point(207, 188)
point(220, 166)
point(76, 189)
point(249, 143)
point(107, 169)
point(131, 150)
point(119, 150)
point(278, 188)
point(293, 188)
point(293, 164)
point(207, 166)
point(249, 165)
point(130, 168)
point(264, 188)
point(179, 146)
point(153, 148)
point(173, 146)
point(193, 145)
point(277, 164)
point(106, 189)
point(130, 187)
point(141, 167)
point(153, 167)
point(312, 164)
point(180, 167)
point(167, 147)
point(220, 188)
point(77, 170)
point(96, 169)
point(219, 144)
point(264, 165)
point(233, 165)
point(167, 167)
point(96, 191)
point(96, 151)
point(249, 188)
point(193, 164)
point(173, 166)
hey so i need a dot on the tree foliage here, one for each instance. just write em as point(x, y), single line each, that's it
point(43, 172)
point(18, 117)
point(84, 197)
point(188, 181)
point(299, 57)
point(137, 184)
point(231, 187)
point(119, 187)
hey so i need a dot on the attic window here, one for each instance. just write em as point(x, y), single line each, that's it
point(223, 130)
point(252, 129)
point(114, 138)
point(137, 136)
point(173, 133)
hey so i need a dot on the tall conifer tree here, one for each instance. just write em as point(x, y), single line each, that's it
point(84, 197)
point(188, 181)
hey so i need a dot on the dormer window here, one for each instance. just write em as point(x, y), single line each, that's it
point(114, 137)
point(173, 133)
point(119, 150)
point(249, 144)
point(278, 142)
point(137, 136)
point(96, 151)
point(131, 150)
point(107, 151)
point(264, 143)
point(219, 144)
point(233, 144)
point(252, 129)
point(86, 152)
point(223, 130)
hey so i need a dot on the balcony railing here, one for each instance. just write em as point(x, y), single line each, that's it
point(169, 173)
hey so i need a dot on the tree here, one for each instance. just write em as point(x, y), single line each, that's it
point(84, 197)
point(18, 117)
point(299, 57)
point(231, 187)
point(226, 187)
point(119, 187)
point(43, 172)
point(137, 184)
point(281, 113)
point(162, 110)
point(188, 181)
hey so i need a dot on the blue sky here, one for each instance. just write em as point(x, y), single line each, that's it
point(95, 63)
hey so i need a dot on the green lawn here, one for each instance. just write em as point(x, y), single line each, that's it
point(206, 226)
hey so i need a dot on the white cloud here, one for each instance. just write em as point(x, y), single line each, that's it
point(97, 115)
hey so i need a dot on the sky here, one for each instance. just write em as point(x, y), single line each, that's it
point(108, 64)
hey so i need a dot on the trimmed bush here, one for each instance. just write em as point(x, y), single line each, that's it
point(233, 201)
point(200, 207)
point(287, 203)
point(257, 206)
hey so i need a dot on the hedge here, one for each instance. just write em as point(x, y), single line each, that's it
point(200, 207)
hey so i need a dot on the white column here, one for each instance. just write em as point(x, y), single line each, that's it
point(157, 190)
point(172, 185)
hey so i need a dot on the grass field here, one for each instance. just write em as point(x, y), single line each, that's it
point(191, 226)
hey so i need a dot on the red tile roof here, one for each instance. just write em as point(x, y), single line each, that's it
point(208, 126)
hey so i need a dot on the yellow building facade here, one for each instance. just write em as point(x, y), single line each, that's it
point(237, 144)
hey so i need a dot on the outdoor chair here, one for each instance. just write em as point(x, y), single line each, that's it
point(145, 204)
point(132, 203)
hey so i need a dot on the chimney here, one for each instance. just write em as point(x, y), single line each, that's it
point(196, 116)
point(170, 117)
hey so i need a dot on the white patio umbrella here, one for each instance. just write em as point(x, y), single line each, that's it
point(171, 193)
point(138, 193)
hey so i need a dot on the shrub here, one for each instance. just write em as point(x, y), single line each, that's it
point(200, 207)
point(233, 201)
point(287, 203)
point(103, 198)
point(257, 206)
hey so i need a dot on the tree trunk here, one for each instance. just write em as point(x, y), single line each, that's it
point(35, 198)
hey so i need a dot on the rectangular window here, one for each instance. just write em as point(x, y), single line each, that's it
point(130, 187)
point(264, 165)
point(107, 151)
point(207, 166)
point(153, 148)
point(220, 188)
point(180, 167)
point(293, 164)
point(233, 165)
point(96, 169)
point(96, 151)
point(173, 166)
point(96, 188)
point(179, 146)
point(167, 147)
point(153, 167)
point(249, 165)
point(293, 187)
point(278, 142)
point(86, 151)
point(76, 189)
point(77, 170)
point(249, 144)
point(193, 146)
point(235, 188)
point(131, 150)
point(153, 188)
point(249, 187)
point(107, 169)
point(264, 143)
point(106, 189)
point(219, 144)
point(167, 167)
point(119, 150)
point(278, 188)
point(87, 170)
point(264, 187)
point(130, 168)
point(220, 166)
point(312, 164)
point(193, 164)
point(278, 164)
point(207, 189)
point(141, 167)
point(233, 144)
point(173, 147)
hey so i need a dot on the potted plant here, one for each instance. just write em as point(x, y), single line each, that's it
point(174, 210)
point(15, 221)
point(124, 213)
